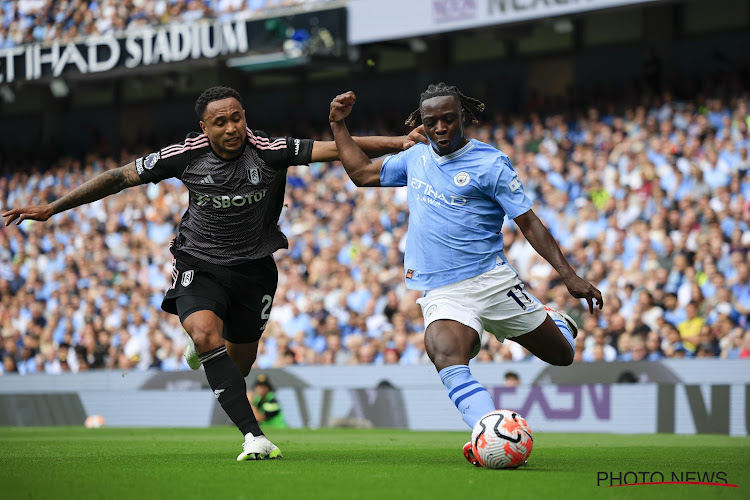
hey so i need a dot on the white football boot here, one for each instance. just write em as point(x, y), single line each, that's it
point(258, 448)
point(191, 355)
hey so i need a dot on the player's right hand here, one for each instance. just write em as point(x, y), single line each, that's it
point(582, 289)
point(341, 106)
point(33, 212)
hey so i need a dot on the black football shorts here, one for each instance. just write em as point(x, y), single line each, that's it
point(241, 295)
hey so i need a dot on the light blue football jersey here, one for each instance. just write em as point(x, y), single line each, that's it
point(457, 203)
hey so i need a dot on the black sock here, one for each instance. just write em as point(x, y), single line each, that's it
point(225, 378)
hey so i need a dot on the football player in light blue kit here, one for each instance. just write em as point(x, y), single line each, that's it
point(459, 192)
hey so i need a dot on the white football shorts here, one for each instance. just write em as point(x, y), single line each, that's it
point(495, 301)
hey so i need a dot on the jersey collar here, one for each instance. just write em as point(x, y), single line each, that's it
point(457, 153)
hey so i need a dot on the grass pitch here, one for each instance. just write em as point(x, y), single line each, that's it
point(350, 464)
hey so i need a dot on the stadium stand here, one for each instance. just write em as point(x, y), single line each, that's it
point(27, 21)
point(650, 203)
point(647, 191)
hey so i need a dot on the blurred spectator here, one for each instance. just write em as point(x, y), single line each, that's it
point(512, 379)
point(691, 327)
point(27, 21)
point(266, 407)
point(598, 349)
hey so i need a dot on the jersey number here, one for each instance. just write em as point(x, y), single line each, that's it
point(267, 299)
point(513, 296)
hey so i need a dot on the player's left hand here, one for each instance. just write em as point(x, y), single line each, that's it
point(582, 289)
point(341, 106)
point(415, 136)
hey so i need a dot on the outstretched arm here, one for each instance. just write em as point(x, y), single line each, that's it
point(373, 146)
point(107, 183)
point(546, 246)
point(358, 166)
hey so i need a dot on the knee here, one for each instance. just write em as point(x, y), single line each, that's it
point(448, 349)
point(205, 336)
point(442, 359)
point(565, 358)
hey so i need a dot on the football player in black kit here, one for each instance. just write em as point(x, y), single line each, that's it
point(224, 276)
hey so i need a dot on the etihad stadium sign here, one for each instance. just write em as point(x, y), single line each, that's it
point(153, 46)
point(167, 44)
point(373, 21)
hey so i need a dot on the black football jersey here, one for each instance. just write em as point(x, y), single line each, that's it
point(234, 207)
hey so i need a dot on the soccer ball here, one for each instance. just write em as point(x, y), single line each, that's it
point(502, 440)
point(94, 422)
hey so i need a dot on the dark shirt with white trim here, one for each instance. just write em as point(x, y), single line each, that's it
point(234, 206)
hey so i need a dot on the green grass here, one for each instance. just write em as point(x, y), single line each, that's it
point(348, 464)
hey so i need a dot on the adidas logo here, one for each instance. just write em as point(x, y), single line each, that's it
point(207, 180)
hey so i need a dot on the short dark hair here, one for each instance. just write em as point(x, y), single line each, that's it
point(212, 94)
point(627, 377)
point(471, 106)
point(263, 380)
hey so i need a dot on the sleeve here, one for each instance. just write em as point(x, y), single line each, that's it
point(281, 152)
point(170, 161)
point(393, 173)
point(509, 193)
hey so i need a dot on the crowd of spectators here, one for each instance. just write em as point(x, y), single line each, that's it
point(651, 204)
point(45, 21)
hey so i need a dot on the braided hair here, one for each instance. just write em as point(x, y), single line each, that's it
point(472, 107)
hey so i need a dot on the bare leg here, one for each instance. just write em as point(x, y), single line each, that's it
point(449, 343)
point(205, 328)
point(548, 344)
point(243, 355)
point(223, 374)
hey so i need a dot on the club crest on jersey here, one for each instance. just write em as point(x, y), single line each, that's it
point(254, 175)
point(461, 179)
point(515, 184)
point(187, 278)
point(150, 160)
point(431, 310)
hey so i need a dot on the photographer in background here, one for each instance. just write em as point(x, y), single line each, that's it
point(265, 405)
